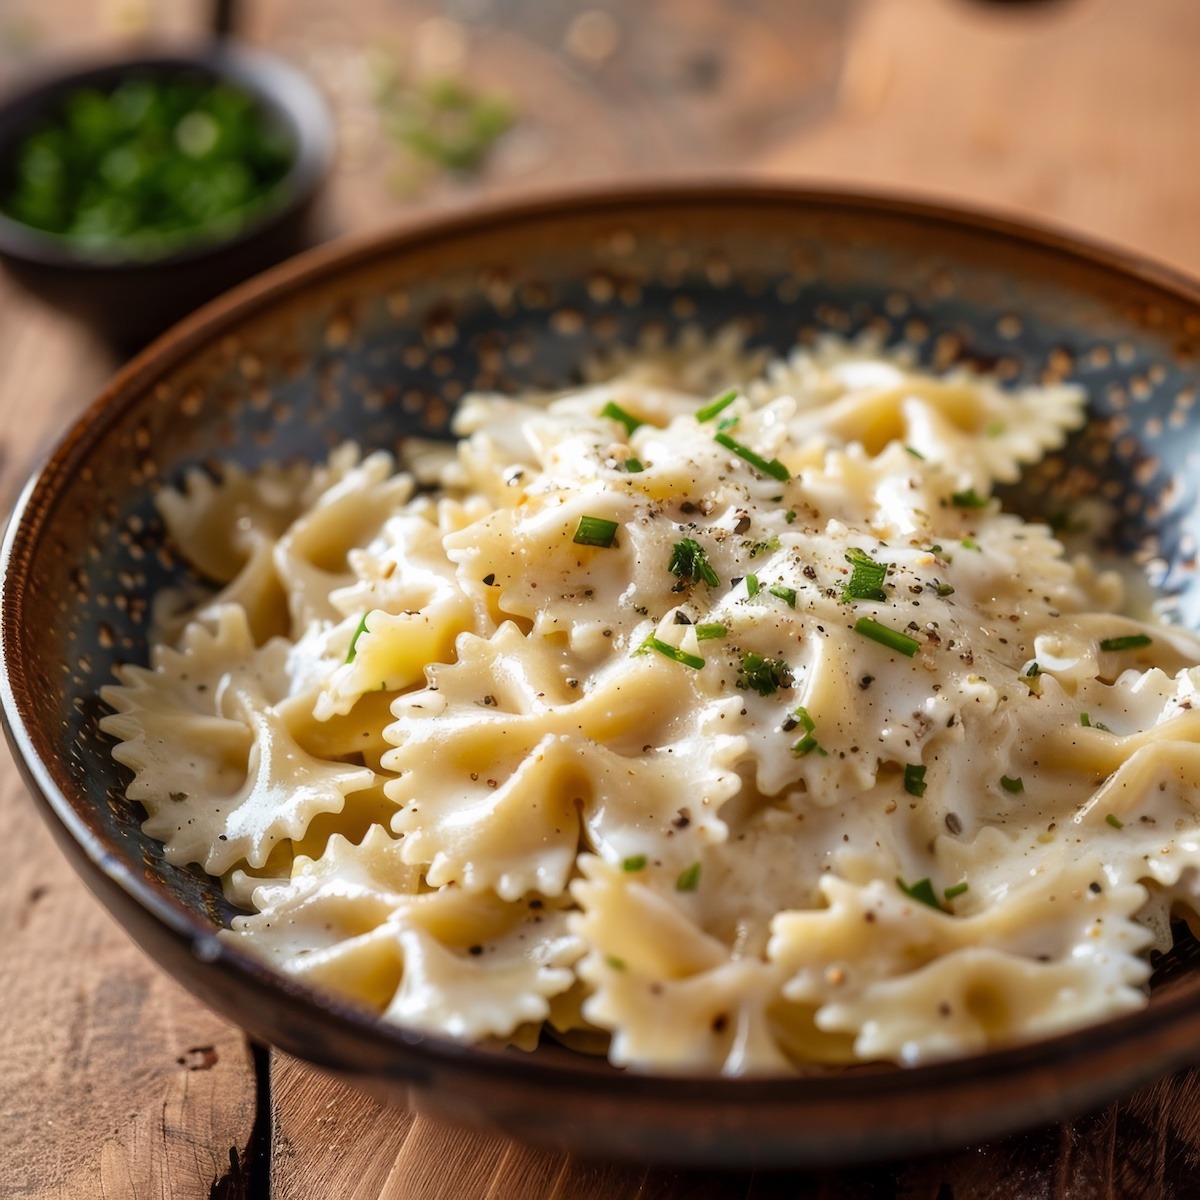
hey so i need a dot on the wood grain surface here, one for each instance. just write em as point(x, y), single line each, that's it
point(116, 1084)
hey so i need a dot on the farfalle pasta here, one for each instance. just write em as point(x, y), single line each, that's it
point(712, 716)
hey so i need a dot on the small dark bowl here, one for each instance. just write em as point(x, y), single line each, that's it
point(129, 301)
point(377, 341)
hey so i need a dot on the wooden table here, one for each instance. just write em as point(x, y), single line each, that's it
point(113, 1082)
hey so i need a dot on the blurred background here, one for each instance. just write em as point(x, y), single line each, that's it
point(1074, 111)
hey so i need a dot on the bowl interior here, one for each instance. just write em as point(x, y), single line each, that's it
point(379, 343)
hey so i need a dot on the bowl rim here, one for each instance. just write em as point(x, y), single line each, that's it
point(273, 82)
point(214, 321)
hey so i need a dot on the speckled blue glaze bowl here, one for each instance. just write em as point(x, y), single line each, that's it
point(377, 340)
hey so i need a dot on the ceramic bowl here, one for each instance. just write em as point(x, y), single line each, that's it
point(129, 301)
point(378, 340)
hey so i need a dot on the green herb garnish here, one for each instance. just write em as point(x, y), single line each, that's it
point(752, 585)
point(617, 964)
point(617, 413)
point(1088, 723)
point(893, 639)
point(866, 577)
point(672, 652)
point(1115, 821)
point(969, 544)
point(968, 499)
point(922, 890)
point(774, 468)
point(790, 515)
point(688, 878)
point(957, 890)
point(915, 452)
point(1133, 641)
point(786, 594)
point(763, 675)
point(914, 780)
point(706, 632)
point(595, 531)
point(722, 402)
point(635, 863)
point(634, 466)
point(943, 589)
point(1012, 785)
point(362, 628)
point(689, 560)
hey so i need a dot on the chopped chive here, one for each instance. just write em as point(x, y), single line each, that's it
point(922, 890)
point(786, 594)
point(634, 863)
point(1012, 785)
point(893, 639)
point(968, 499)
point(915, 452)
point(672, 652)
point(617, 964)
point(866, 577)
point(943, 589)
point(774, 468)
point(1134, 641)
point(764, 547)
point(763, 675)
point(688, 879)
point(1033, 670)
point(1088, 723)
point(995, 429)
point(790, 515)
point(957, 890)
point(634, 465)
point(362, 628)
point(806, 745)
point(752, 585)
point(713, 630)
point(969, 544)
point(595, 531)
point(801, 715)
point(728, 423)
point(617, 413)
point(914, 780)
point(722, 402)
point(1115, 821)
point(689, 560)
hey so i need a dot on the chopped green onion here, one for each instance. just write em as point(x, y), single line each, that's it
point(617, 964)
point(752, 585)
point(790, 515)
point(915, 452)
point(970, 544)
point(957, 890)
point(713, 630)
point(774, 468)
point(943, 589)
point(866, 577)
point(771, 544)
point(728, 423)
point(922, 890)
point(595, 531)
point(362, 628)
point(802, 716)
point(914, 780)
point(891, 638)
point(689, 560)
point(1033, 670)
point(1012, 785)
point(634, 465)
point(1134, 641)
point(1088, 723)
point(806, 745)
point(617, 413)
point(672, 652)
point(1115, 821)
point(722, 402)
point(763, 675)
point(688, 879)
point(635, 863)
point(995, 428)
point(968, 499)
point(786, 594)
